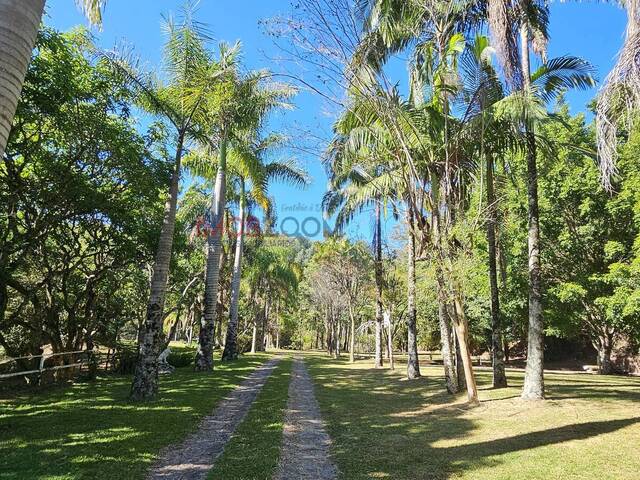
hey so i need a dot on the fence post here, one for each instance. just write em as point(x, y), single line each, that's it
point(40, 369)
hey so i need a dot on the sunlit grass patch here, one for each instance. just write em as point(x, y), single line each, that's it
point(91, 431)
point(384, 426)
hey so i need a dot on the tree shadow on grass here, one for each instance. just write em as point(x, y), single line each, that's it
point(385, 427)
point(92, 430)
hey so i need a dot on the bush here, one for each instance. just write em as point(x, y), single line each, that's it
point(124, 360)
point(244, 342)
point(181, 359)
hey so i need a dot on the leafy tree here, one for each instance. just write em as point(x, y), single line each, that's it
point(239, 106)
point(79, 204)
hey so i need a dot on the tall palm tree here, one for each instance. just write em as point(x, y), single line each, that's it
point(249, 166)
point(283, 171)
point(517, 28)
point(19, 24)
point(481, 92)
point(432, 29)
point(239, 106)
point(361, 177)
point(190, 75)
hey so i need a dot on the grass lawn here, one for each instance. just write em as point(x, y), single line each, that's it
point(91, 431)
point(383, 426)
point(254, 449)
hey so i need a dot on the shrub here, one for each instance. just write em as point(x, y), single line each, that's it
point(180, 359)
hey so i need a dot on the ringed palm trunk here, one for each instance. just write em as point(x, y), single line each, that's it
point(145, 379)
point(534, 373)
point(447, 346)
point(204, 354)
point(231, 343)
point(497, 354)
point(378, 275)
point(19, 23)
point(413, 365)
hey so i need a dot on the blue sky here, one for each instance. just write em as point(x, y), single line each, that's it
point(591, 30)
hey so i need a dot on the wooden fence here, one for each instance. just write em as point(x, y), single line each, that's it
point(37, 366)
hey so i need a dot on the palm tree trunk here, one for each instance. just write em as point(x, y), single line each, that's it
point(390, 343)
point(446, 346)
point(19, 23)
point(413, 364)
point(145, 379)
point(231, 343)
point(534, 374)
point(254, 336)
point(499, 375)
point(204, 354)
point(352, 336)
point(462, 332)
point(262, 325)
point(378, 275)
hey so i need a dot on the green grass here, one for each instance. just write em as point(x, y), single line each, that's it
point(254, 450)
point(383, 426)
point(91, 431)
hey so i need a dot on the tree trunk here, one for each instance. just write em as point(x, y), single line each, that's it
point(447, 348)
point(204, 355)
point(328, 333)
point(605, 346)
point(378, 276)
point(338, 332)
point(262, 326)
point(461, 379)
point(352, 336)
point(413, 363)
point(462, 332)
point(19, 23)
point(534, 373)
point(497, 354)
point(145, 379)
point(254, 336)
point(231, 343)
point(390, 343)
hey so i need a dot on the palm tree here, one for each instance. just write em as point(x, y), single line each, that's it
point(527, 19)
point(180, 102)
point(432, 29)
point(481, 92)
point(362, 175)
point(247, 165)
point(19, 24)
point(348, 193)
point(283, 171)
point(240, 105)
point(270, 274)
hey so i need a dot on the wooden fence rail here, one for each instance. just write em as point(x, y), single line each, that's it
point(79, 359)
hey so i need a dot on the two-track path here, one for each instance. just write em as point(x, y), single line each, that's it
point(193, 459)
point(304, 454)
point(305, 444)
